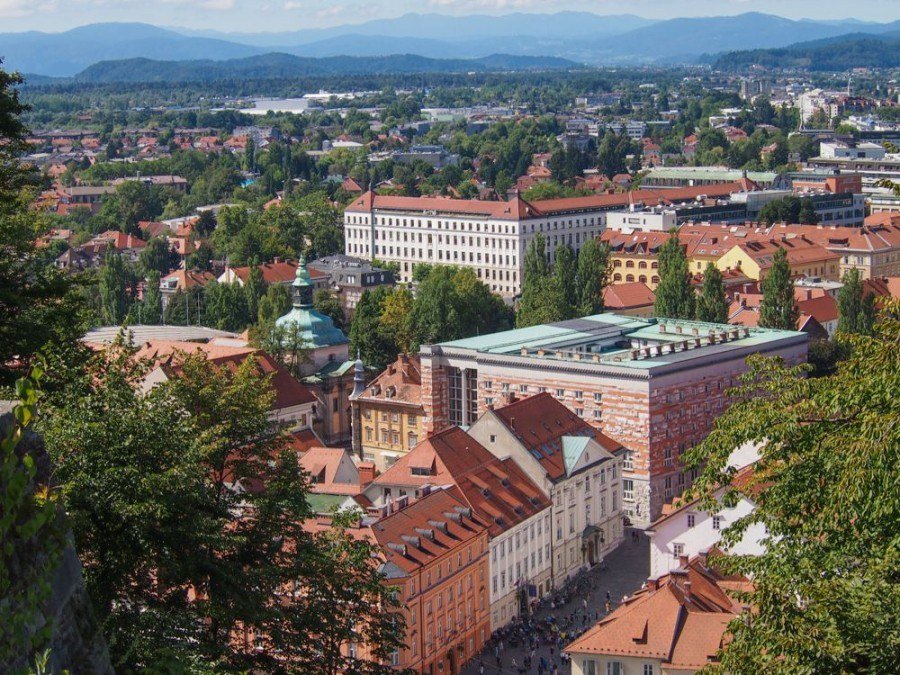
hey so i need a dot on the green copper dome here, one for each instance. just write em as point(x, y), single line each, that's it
point(316, 329)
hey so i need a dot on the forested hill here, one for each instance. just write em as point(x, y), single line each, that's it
point(276, 66)
point(856, 50)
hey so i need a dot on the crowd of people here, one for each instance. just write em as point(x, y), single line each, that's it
point(535, 643)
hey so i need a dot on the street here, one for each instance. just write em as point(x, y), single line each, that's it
point(625, 570)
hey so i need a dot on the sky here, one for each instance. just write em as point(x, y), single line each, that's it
point(285, 15)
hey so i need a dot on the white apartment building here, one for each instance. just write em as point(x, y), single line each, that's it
point(520, 568)
point(686, 529)
point(488, 237)
point(574, 464)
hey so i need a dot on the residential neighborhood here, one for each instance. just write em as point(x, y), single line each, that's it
point(349, 339)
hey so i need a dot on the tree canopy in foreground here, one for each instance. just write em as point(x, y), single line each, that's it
point(826, 598)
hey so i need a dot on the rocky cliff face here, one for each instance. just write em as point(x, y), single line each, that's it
point(76, 643)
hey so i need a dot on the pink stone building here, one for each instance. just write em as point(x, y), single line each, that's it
point(654, 385)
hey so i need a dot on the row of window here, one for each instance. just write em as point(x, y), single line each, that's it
point(522, 570)
point(504, 547)
point(589, 667)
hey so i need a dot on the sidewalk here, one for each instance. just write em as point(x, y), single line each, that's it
point(626, 569)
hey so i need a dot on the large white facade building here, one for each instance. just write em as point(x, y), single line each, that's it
point(488, 237)
point(571, 462)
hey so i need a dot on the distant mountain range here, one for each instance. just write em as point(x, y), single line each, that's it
point(280, 66)
point(854, 50)
point(583, 37)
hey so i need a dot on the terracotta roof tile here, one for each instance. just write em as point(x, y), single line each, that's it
point(498, 490)
point(540, 422)
point(627, 296)
point(680, 619)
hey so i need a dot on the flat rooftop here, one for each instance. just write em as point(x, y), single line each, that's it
point(142, 334)
point(618, 341)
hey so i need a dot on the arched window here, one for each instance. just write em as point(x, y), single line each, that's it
point(617, 277)
point(630, 277)
point(642, 265)
point(642, 279)
point(617, 263)
point(654, 280)
point(654, 265)
point(629, 263)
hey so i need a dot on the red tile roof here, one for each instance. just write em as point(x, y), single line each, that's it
point(627, 295)
point(280, 272)
point(679, 619)
point(519, 209)
point(322, 464)
point(400, 382)
point(539, 422)
point(426, 530)
point(289, 391)
point(497, 490)
point(119, 240)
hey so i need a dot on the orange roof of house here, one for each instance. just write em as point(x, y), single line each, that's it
point(303, 440)
point(119, 240)
point(400, 382)
point(426, 530)
point(280, 272)
point(679, 619)
point(289, 391)
point(498, 490)
point(152, 229)
point(823, 308)
point(884, 218)
point(351, 185)
point(867, 238)
point(322, 464)
point(185, 279)
point(888, 287)
point(627, 296)
point(799, 251)
point(539, 422)
point(519, 209)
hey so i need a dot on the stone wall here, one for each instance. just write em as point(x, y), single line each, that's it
point(76, 643)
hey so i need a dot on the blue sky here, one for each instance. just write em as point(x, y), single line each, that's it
point(281, 15)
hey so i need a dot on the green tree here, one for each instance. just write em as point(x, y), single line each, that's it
point(367, 337)
point(31, 309)
point(452, 303)
point(116, 279)
point(225, 307)
point(158, 255)
point(674, 295)
point(254, 289)
point(778, 309)
point(543, 297)
point(151, 305)
point(566, 271)
point(395, 318)
point(274, 304)
point(172, 519)
point(592, 276)
point(825, 596)
point(712, 303)
point(327, 302)
point(856, 312)
point(543, 301)
point(807, 213)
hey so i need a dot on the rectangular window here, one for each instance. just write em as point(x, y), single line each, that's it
point(717, 522)
point(615, 668)
point(677, 549)
point(628, 488)
point(560, 393)
point(648, 669)
point(589, 667)
point(691, 519)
